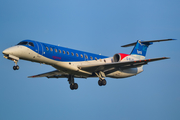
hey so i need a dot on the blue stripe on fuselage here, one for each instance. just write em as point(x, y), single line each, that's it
point(40, 48)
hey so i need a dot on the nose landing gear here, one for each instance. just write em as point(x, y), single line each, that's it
point(16, 67)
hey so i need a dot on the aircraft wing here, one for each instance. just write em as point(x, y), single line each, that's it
point(116, 65)
point(52, 74)
point(55, 74)
point(105, 67)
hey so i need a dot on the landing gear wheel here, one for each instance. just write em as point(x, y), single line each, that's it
point(74, 86)
point(16, 67)
point(102, 82)
point(99, 83)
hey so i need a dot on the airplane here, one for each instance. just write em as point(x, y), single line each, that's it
point(70, 63)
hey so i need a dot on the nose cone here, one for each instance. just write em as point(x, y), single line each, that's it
point(7, 51)
point(15, 50)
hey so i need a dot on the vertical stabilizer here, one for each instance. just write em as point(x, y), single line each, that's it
point(140, 48)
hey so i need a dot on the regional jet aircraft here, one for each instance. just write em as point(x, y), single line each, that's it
point(70, 63)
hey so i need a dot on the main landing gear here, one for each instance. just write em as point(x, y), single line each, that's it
point(73, 86)
point(15, 67)
point(102, 81)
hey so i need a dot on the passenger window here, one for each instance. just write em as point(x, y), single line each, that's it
point(31, 44)
point(59, 51)
point(77, 55)
point(95, 58)
point(51, 49)
point(64, 52)
point(81, 55)
point(67, 52)
point(47, 48)
point(91, 57)
point(72, 53)
point(86, 56)
point(55, 50)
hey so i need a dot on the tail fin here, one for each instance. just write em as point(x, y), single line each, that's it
point(140, 47)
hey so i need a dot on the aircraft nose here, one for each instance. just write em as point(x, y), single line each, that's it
point(7, 51)
point(15, 50)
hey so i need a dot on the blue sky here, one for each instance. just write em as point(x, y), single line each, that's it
point(97, 26)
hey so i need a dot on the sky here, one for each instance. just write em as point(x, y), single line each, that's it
point(97, 26)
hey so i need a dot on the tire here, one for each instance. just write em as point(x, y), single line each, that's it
point(14, 68)
point(72, 87)
point(99, 82)
point(17, 67)
point(75, 86)
point(104, 82)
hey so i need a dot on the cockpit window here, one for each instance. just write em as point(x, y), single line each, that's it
point(31, 44)
point(22, 43)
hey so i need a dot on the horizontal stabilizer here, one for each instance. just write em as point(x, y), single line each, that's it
point(149, 41)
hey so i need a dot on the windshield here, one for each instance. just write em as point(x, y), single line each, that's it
point(31, 44)
point(26, 43)
point(22, 43)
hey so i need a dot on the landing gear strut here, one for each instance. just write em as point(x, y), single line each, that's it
point(73, 86)
point(102, 81)
point(16, 67)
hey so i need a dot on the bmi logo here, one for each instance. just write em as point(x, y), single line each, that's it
point(139, 52)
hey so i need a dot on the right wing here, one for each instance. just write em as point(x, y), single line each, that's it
point(106, 67)
point(117, 65)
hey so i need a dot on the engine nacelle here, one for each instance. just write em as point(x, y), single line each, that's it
point(119, 56)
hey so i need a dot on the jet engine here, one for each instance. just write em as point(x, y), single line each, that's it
point(119, 56)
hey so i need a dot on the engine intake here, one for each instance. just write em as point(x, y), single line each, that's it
point(119, 56)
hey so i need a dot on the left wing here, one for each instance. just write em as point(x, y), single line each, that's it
point(52, 74)
point(123, 65)
point(55, 74)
